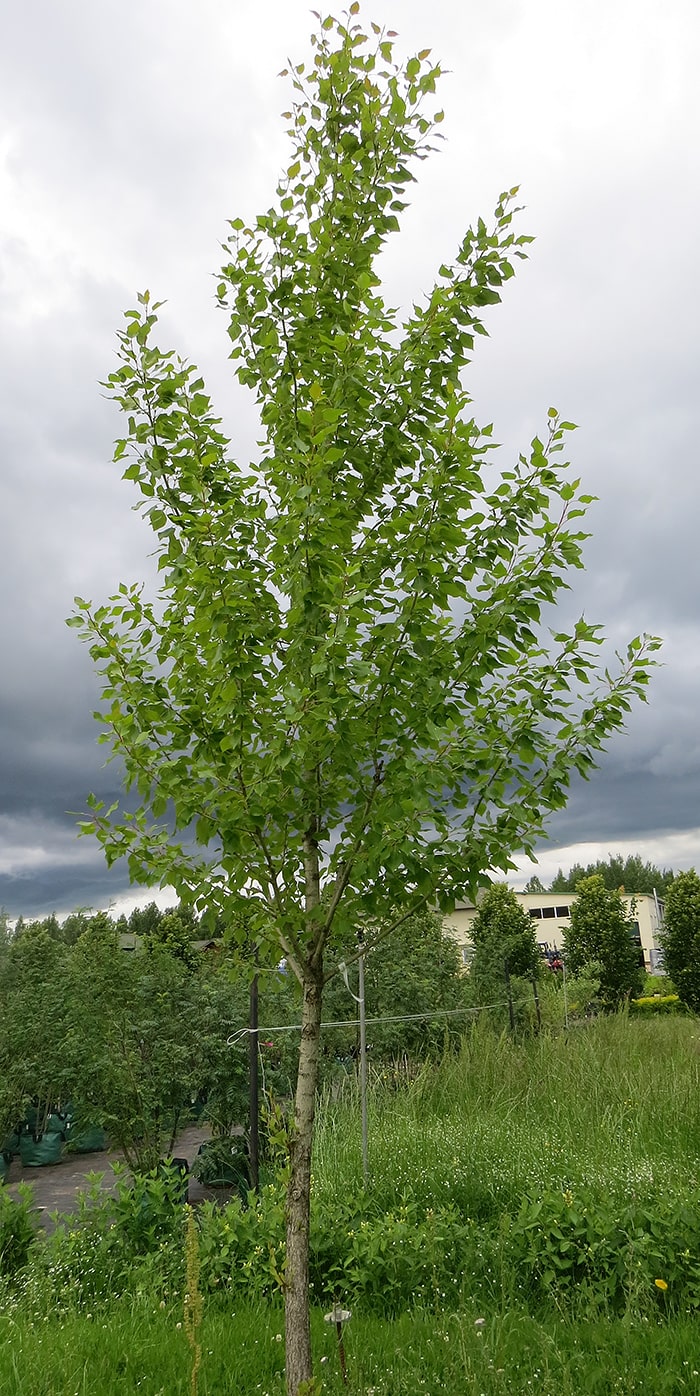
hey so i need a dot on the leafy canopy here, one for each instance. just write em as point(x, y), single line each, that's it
point(681, 937)
point(345, 685)
point(600, 934)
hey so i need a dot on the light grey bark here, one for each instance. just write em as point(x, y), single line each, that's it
point(297, 1317)
point(296, 1307)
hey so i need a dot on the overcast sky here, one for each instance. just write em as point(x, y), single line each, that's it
point(129, 134)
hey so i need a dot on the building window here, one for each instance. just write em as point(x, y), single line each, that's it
point(535, 912)
point(563, 911)
point(549, 912)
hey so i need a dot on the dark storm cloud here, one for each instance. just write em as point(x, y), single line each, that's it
point(50, 869)
point(128, 136)
point(66, 527)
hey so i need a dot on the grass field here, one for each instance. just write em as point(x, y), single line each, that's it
point(585, 1149)
point(136, 1350)
point(615, 1105)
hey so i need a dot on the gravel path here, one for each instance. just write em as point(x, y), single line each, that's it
point(54, 1187)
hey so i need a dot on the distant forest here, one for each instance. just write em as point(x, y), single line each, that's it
point(175, 925)
point(630, 874)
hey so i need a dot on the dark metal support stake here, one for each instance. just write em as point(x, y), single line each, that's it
point(537, 1004)
point(340, 1316)
point(254, 1105)
point(511, 1013)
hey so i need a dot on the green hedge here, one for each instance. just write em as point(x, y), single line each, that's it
point(656, 1003)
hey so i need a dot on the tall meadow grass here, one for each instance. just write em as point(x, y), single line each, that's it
point(135, 1351)
point(614, 1104)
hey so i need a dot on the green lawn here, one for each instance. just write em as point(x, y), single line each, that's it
point(137, 1350)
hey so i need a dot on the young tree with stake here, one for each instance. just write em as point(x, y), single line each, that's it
point(681, 937)
point(505, 947)
point(344, 699)
point(600, 933)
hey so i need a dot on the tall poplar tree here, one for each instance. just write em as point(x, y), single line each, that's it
point(601, 932)
point(505, 946)
point(681, 937)
point(344, 699)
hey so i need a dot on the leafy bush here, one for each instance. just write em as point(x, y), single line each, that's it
point(657, 984)
point(656, 1003)
point(390, 1261)
point(113, 1246)
point(584, 1249)
point(17, 1230)
point(148, 1209)
point(241, 1249)
point(382, 1262)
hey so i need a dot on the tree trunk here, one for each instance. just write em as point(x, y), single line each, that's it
point(296, 1291)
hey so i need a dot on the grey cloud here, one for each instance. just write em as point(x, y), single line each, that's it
point(45, 867)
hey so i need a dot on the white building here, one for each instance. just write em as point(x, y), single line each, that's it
point(551, 911)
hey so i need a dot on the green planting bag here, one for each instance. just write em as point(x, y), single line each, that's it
point(90, 1140)
point(55, 1122)
point(35, 1153)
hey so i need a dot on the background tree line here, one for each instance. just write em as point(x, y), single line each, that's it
point(136, 1040)
point(630, 874)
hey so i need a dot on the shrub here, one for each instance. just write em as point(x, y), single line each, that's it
point(130, 1243)
point(585, 1249)
point(656, 1003)
point(17, 1230)
point(241, 1248)
point(148, 1209)
point(392, 1261)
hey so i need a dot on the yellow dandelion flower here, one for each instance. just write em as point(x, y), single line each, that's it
point(660, 1284)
